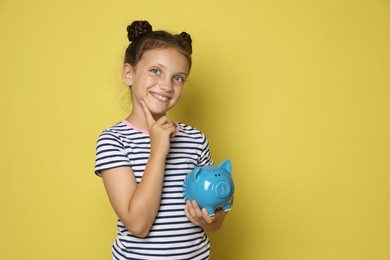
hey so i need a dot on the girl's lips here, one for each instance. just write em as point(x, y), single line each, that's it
point(160, 97)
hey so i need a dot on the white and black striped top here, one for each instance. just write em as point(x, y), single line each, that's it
point(172, 235)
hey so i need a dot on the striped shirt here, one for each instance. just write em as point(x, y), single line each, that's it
point(172, 235)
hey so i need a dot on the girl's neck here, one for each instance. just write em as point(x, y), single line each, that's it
point(139, 120)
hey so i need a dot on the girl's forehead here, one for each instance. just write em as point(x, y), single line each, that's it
point(167, 57)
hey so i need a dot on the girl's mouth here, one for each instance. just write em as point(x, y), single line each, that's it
point(160, 97)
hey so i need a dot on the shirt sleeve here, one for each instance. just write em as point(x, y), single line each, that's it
point(205, 156)
point(110, 153)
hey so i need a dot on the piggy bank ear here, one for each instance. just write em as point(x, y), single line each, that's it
point(226, 165)
point(196, 173)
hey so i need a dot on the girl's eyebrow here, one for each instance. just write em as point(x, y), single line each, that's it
point(160, 65)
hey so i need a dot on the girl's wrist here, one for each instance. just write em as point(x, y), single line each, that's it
point(159, 156)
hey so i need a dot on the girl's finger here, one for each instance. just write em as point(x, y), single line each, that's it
point(188, 214)
point(167, 125)
point(209, 219)
point(196, 208)
point(148, 115)
point(191, 209)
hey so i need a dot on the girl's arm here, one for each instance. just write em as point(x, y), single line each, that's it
point(137, 205)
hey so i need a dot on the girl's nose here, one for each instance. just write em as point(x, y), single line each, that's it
point(166, 85)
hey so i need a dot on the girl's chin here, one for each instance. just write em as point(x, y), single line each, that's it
point(158, 108)
point(157, 112)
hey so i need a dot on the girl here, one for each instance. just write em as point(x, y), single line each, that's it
point(144, 159)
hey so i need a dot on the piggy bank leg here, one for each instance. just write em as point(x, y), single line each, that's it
point(210, 211)
point(227, 207)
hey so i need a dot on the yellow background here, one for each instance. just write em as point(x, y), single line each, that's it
point(295, 93)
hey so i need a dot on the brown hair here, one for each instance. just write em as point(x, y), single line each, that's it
point(143, 38)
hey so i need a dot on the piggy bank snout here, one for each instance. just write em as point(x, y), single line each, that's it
point(222, 189)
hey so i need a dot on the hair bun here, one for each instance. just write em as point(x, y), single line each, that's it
point(187, 38)
point(137, 29)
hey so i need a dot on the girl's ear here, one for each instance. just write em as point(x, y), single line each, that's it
point(127, 74)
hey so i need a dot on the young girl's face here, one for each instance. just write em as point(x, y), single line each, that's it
point(158, 79)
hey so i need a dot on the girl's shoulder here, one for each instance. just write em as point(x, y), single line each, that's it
point(188, 130)
point(116, 129)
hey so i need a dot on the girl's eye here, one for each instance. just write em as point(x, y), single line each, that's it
point(155, 71)
point(179, 79)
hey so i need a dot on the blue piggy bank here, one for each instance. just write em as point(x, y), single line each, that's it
point(211, 186)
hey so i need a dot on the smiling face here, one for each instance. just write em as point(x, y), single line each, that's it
point(158, 79)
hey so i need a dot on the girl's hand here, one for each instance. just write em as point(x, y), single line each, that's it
point(198, 216)
point(160, 131)
point(201, 218)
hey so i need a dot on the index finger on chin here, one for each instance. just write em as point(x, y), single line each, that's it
point(148, 115)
